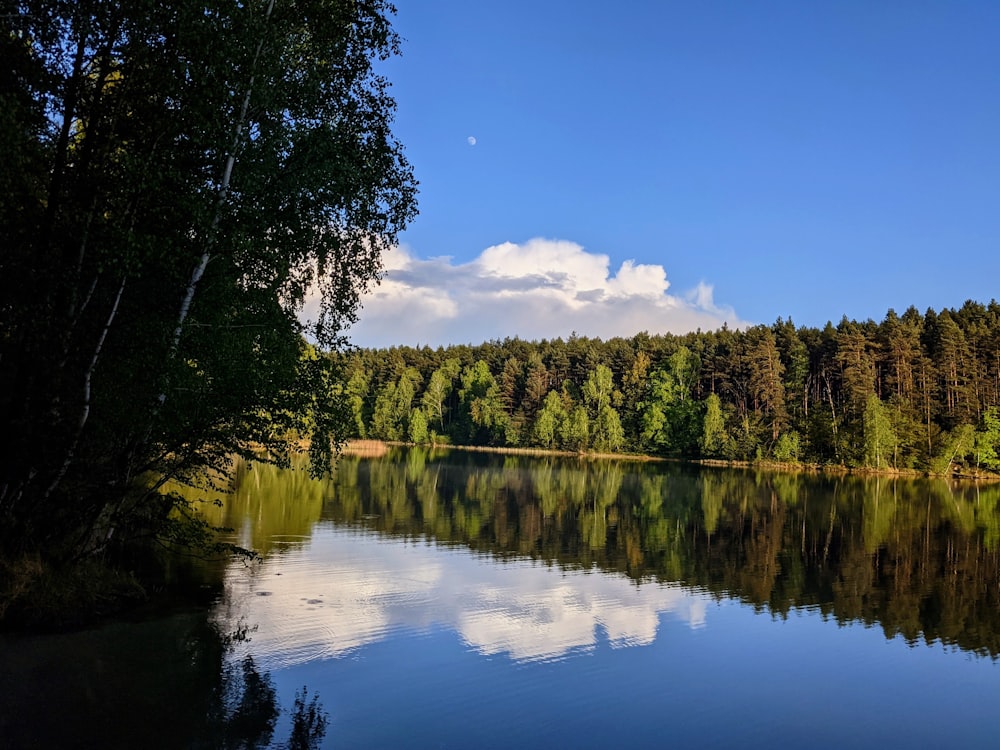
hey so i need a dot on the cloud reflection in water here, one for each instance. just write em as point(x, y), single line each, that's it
point(348, 588)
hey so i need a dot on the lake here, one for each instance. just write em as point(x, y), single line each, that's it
point(450, 599)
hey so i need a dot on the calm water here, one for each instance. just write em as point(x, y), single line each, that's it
point(462, 600)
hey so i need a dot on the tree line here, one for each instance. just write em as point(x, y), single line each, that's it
point(914, 391)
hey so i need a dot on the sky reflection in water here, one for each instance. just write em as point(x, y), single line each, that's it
point(466, 601)
point(348, 588)
point(766, 610)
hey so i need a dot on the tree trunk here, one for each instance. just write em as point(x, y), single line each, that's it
point(85, 410)
point(227, 173)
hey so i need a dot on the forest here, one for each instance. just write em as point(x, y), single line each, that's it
point(913, 392)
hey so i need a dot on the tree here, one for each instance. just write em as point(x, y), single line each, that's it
point(788, 447)
point(394, 406)
point(714, 438)
point(654, 420)
point(575, 432)
point(770, 391)
point(954, 447)
point(765, 383)
point(684, 366)
point(510, 384)
point(795, 362)
point(481, 396)
point(357, 392)
point(599, 388)
point(953, 360)
point(417, 428)
point(510, 388)
point(633, 382)
point(900, 343)
point(548, 424)
point(879, 437)
point(606, 432)
point(670, 417)
point(857, 366)
point(438, 389)
point(182, 176)
point(536, 385)
point(987, 439)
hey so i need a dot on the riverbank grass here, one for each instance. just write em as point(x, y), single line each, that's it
point(37, 596)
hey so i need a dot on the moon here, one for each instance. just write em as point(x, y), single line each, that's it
point(471, 140)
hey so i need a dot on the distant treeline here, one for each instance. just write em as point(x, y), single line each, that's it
point(915, 391)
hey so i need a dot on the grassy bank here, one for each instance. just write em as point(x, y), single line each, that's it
point(374, 448)
point(37, 596)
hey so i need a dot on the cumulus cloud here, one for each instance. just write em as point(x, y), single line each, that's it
point(540, 289)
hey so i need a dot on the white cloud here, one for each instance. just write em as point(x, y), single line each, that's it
point(539, 289)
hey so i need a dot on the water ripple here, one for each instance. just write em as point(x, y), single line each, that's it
point(349, 588)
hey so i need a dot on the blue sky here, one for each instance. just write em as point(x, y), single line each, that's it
point(745, 161)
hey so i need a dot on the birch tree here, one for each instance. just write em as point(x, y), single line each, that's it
point(181, 178)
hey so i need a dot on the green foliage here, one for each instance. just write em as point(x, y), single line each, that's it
point(598, 389)
point(481, 396)
point(599, 394)
point(177, 179)
point(417, 430)
point(987, 439)
point(684, 366)
point(788, 448)
point(548, 425)
point(394, 405)
point(512, 435)
point(763, 373)
point(880, 438)
point(607, 434)
point(436, 439)
point(727, 394)
point(953, 447)
point(438, 389)
point(910, 446)
point(670, 418)
point(714, 439)
point(357, 393)
point(575, 430)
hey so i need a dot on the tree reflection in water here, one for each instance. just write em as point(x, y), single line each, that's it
point(919, 557)
point(248, 710)
point(172, 682)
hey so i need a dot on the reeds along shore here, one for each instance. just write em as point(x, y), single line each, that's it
point(369, 448)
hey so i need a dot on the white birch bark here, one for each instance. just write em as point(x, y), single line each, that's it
point(206, 256)
point(87, 377)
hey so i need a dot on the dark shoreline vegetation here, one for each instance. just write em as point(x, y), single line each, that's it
point(177, 180)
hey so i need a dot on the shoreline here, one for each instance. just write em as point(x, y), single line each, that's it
point(371, 448)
